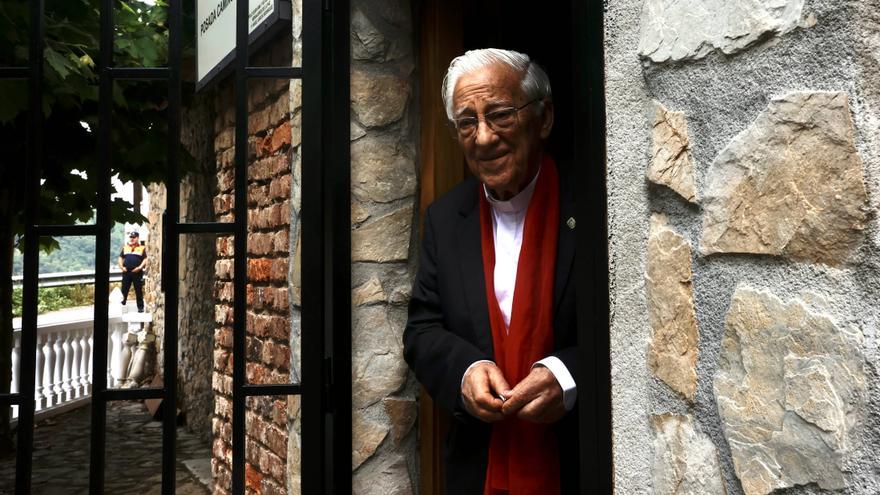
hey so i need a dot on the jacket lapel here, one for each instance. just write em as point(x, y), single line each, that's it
point(470, 254)
point(565, 247)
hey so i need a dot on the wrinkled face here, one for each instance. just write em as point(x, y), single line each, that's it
point(505, 160)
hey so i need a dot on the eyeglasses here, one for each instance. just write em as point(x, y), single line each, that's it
point(499, 120)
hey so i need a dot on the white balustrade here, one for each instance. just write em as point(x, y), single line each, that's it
point(58, 375)
point(72, 367)
point(64, 359)
point(16, 369)
point(88, 343)
point(39, 398)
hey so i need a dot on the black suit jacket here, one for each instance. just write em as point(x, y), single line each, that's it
point(448, 328)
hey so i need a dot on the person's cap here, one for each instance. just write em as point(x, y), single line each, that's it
point(134, 233)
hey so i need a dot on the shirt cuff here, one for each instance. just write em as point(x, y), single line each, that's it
point(469, 368)
point(569, 387)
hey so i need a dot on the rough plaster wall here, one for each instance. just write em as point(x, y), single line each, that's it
point(628, 216)
point(720, 96)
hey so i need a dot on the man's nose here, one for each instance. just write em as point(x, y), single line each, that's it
point(484, 133)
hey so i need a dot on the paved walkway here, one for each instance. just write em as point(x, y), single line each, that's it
point(134, 455)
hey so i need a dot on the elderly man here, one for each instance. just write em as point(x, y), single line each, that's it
point(491, 332)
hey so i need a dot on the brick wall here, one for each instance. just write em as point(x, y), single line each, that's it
point(268, 314)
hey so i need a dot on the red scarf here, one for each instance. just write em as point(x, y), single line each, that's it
point(523, 456)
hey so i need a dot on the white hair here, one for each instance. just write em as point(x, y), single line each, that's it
point(534, 84)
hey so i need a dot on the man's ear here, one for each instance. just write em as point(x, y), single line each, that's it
point(546, 118)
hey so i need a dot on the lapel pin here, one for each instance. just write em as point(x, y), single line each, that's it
point(570, 222)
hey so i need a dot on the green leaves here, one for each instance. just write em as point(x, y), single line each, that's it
point(58, 62)
point(70, 96)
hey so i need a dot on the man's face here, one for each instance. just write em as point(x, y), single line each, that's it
point(134, 240)
point(504, 160)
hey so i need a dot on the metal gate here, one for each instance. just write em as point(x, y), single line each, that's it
point(326, 243)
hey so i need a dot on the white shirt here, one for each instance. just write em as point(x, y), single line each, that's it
point(508, 222)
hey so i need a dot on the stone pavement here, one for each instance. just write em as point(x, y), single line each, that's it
point(134, 455)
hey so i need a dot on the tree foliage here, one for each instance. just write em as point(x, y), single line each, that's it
point(70, 106)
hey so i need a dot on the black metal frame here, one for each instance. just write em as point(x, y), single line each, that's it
point(326, 243)
point(591, 265)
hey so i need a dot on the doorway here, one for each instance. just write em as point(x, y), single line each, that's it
point(446, 29)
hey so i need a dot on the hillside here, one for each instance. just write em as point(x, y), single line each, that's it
point(76, 253)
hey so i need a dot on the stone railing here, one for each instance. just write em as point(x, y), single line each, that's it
point(64, 357)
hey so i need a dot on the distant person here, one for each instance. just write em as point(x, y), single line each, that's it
point(133, 260)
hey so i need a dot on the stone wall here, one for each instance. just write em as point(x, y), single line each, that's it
point(384, 208)
point(743, 173)
point(269, 315)
point(196, 271)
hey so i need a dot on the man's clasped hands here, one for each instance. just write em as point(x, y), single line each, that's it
point(488, 397)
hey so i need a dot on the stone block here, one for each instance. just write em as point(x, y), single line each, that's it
point(359, 213)
point(366, 436)
point(668, 283)
point(382, 169)
point(403, 414)
point(685, 459)
point(390, 477)
point(378, 368)
point(383, 239)
point(378, 98)
point(790, 390)
point(367, 42)
point(790, 184)
point(367, 293)
point(671, 162)
point(673, 30)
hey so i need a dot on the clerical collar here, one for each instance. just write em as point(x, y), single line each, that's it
point(516, 203)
